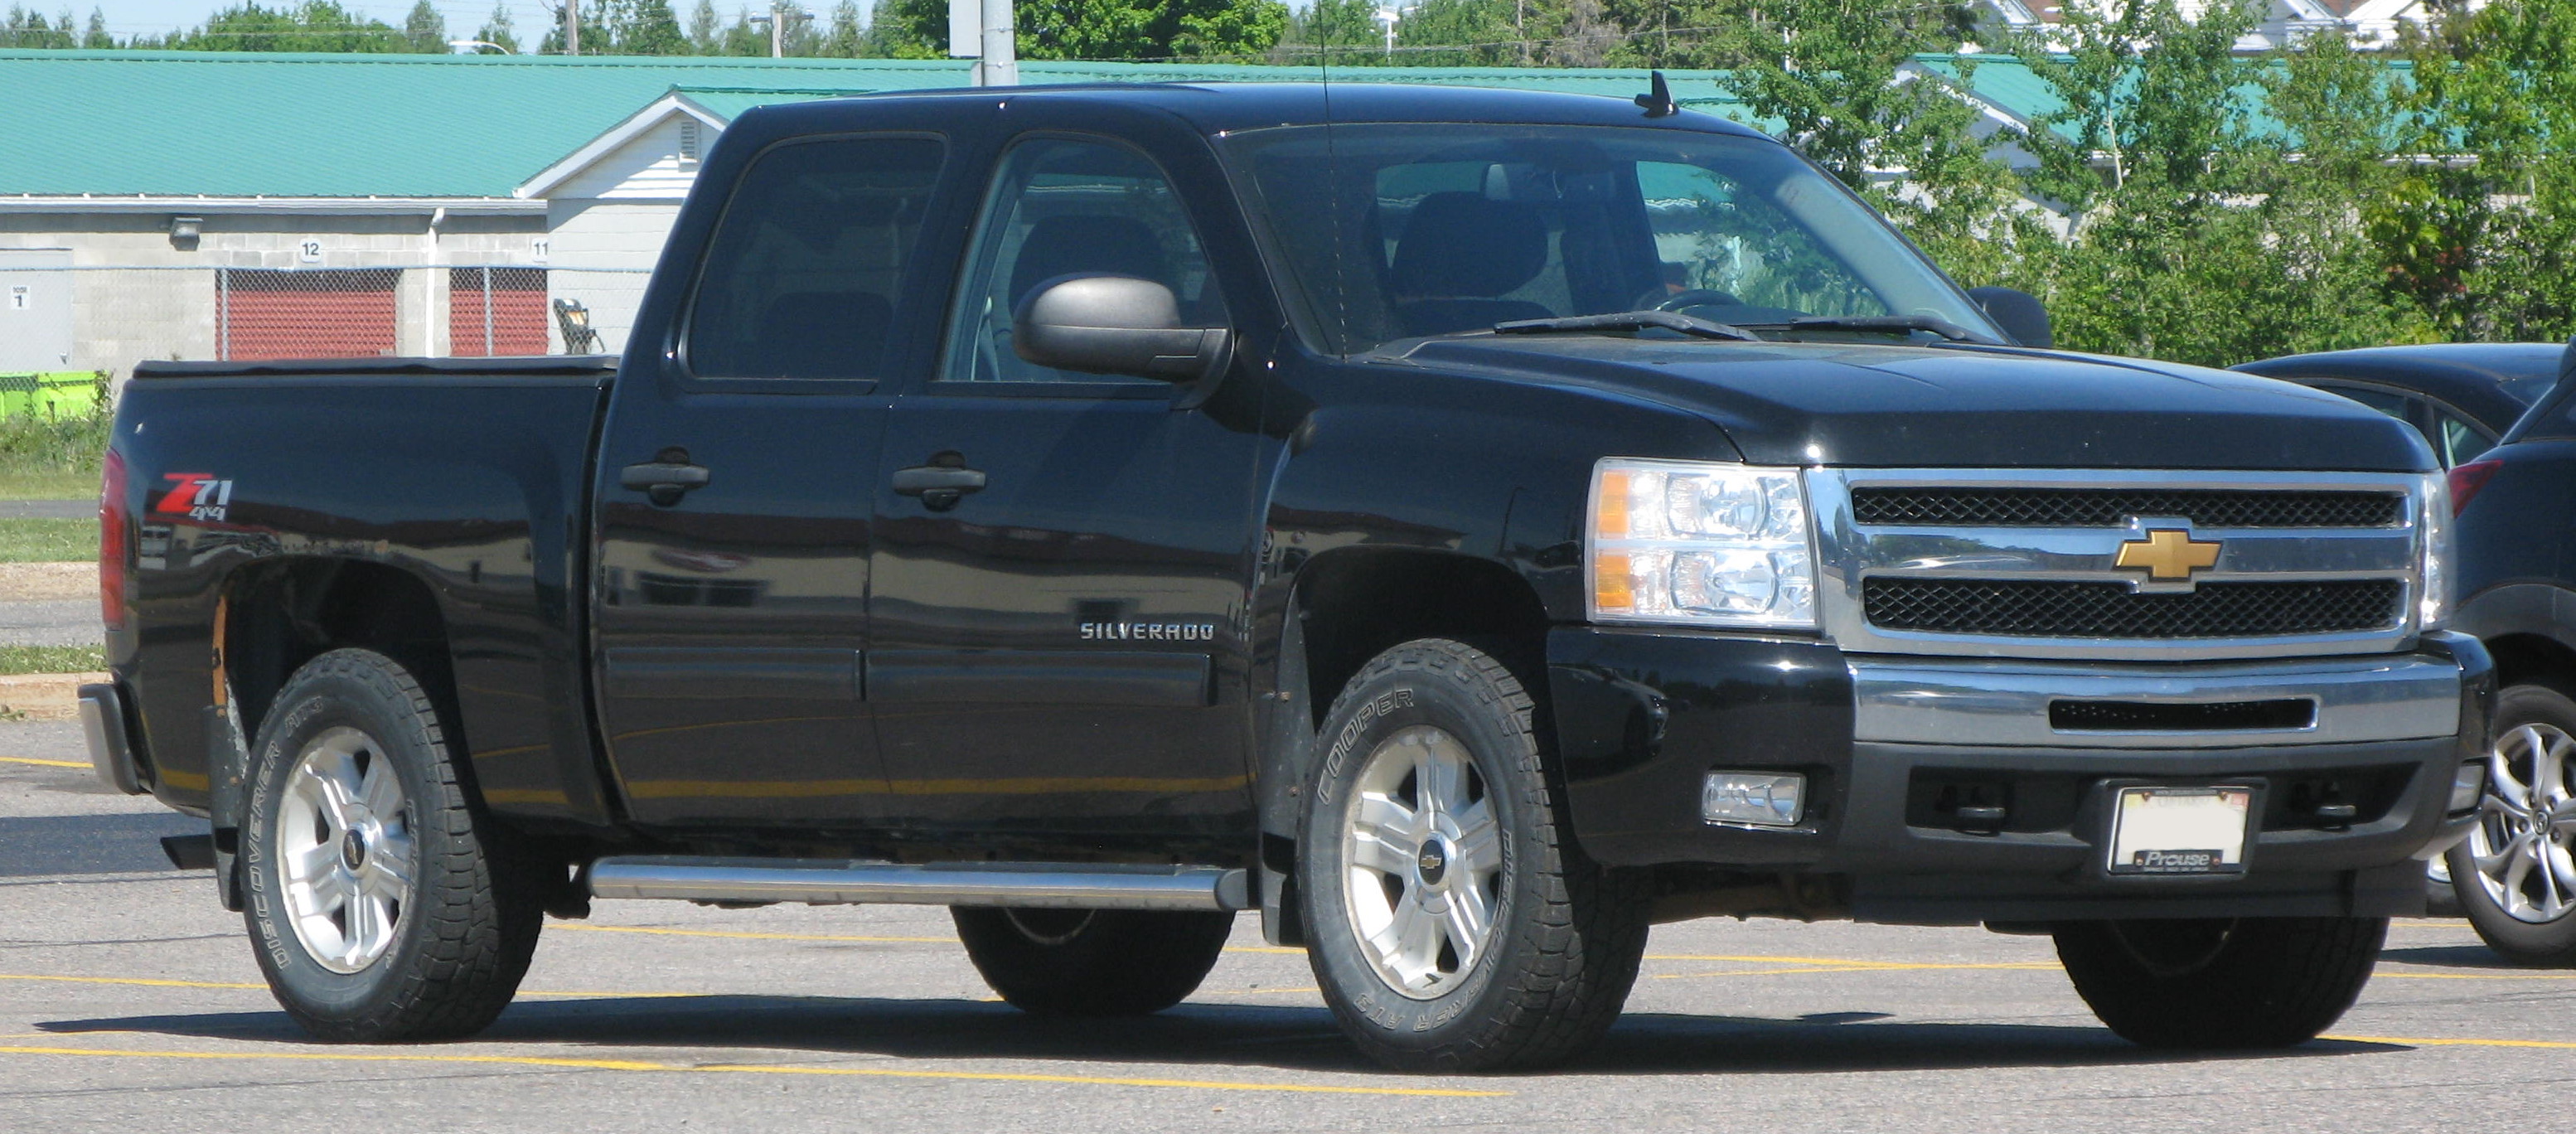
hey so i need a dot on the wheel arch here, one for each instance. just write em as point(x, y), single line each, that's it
point(275, 615)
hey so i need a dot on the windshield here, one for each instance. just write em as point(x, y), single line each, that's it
point(1395, 230)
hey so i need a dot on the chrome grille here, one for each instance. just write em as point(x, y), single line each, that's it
point(2050, 609)
point(2026, 563)
point(2111, 507)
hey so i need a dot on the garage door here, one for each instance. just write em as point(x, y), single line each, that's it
point(493, 311)
point(334, 313)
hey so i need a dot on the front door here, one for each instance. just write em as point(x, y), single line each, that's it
point(732, 555)
point(1058, 631)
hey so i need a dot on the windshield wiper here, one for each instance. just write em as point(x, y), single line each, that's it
point(1932, 324)
point(1631, 321)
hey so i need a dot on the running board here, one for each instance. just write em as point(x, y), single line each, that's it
point(820, 882)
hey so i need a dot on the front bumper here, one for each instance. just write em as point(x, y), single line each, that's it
point(1892, 747)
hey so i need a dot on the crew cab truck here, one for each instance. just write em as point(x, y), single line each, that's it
point(1467, 527)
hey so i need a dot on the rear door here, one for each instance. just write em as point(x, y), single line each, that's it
point(1059, 647)
point(733, 507)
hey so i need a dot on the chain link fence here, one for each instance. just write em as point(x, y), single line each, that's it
point(107, 318)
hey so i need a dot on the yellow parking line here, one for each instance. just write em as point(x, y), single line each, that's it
point(2413, 1041)
point(755, 1069)
point(2538, 975)
point(738, 936)
point(1866, 967)
point(741, 936)
point(148, 981)
point(44, 763)
point(1256, 991)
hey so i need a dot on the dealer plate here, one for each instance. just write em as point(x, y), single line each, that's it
point(2180, 830)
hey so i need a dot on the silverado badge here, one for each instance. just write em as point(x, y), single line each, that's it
point(2169, 554)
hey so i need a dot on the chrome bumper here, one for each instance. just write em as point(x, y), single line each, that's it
point(2007, 703)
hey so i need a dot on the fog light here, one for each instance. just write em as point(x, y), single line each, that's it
point(2467, 785)
point(1764, 799)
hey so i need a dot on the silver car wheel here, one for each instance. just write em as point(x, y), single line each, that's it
point(1422, 859)
point(345, 851)
point(2526, 823)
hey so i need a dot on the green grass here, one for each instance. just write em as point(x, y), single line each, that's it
point(52, 458)
point(48, 541)
point(52, 659)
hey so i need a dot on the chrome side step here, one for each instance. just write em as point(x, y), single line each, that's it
point(1043, 885)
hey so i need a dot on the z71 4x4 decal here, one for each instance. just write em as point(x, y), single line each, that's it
point(198, 496)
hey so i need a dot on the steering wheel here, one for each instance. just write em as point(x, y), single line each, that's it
point(1696, 297)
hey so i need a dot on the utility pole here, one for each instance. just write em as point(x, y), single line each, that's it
point(986, 32)
point(572, 27)
point(781, 13)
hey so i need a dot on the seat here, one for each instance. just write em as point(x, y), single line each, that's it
point(825, 334)
point(1459, 254)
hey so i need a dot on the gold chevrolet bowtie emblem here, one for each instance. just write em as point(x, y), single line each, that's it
point(2169, 554)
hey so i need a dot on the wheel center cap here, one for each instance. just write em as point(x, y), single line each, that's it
point(1432, 863)
point(353, 850)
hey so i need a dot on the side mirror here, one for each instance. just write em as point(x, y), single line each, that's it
point(1116, 325)
point(2018, 313)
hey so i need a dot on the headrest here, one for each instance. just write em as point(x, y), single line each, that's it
point(1102, 243)
point(1463, 245)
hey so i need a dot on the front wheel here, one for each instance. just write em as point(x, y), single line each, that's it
point(1451, 926)
point(383, 905)
point(2515, 875)
point(2221, 983)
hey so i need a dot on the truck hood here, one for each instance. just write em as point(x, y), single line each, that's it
point(1864, 404)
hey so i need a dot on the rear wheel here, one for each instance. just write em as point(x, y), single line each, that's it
point(2515, 875)
point(1450, 925)
point(1092, 962)
point(383, 904)
point(2221, 983)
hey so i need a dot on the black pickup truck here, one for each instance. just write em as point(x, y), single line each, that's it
point(1467, 527)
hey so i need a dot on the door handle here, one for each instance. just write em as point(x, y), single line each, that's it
point(940, 487)
point(665, 478)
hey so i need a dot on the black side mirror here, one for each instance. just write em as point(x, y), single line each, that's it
point(2018, 313)
point(1116, 325)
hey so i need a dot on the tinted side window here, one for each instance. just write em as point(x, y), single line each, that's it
point(2461, 441)
point(1063, 207)
point(802, 278)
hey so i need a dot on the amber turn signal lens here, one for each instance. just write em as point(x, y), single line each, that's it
point(1612, 589)
point(1610, 512)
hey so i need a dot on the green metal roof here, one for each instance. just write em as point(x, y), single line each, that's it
point(243, 124)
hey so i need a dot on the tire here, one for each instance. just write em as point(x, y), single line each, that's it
point(2223, 983)
point(2514, 877)
point(1092, 962)
point(1450, 924)
point(395, 911)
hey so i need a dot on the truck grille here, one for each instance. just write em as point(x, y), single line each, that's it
point(2113, 507)
point(2056, 609)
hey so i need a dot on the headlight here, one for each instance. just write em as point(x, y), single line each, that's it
point(1700, 544)
point(2433, 501)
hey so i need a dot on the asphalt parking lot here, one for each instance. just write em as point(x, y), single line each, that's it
point(129, 1001)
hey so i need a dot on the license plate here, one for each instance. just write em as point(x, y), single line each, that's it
point(2180, 830)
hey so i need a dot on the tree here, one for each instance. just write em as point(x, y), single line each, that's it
point(500, 30)
point(703, 29)
point(847, 38)
point(2488, 245)
point(25, 28)
point(314, 25)
point(1102, 29)
point(96, 38)
point(425, 30)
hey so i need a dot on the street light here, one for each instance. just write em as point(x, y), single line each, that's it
point(475, 46)
point(1390, 16)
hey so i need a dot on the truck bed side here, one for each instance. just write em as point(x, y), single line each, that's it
point(430, 508)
